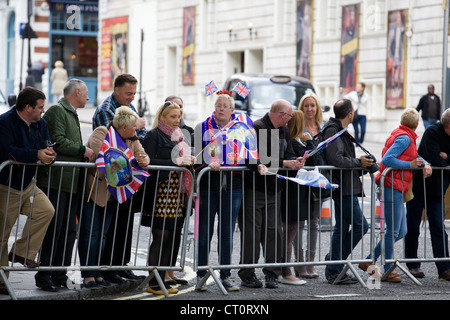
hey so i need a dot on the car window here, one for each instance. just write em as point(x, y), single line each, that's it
point(264, 95)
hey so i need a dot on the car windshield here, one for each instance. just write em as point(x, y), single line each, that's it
point(262, 96)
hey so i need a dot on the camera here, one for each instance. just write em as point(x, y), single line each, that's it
point(374, 167)
point(48, 144)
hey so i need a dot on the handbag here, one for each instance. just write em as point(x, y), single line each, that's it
point(409, 195)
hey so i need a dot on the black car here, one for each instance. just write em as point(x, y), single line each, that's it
point(265, 89)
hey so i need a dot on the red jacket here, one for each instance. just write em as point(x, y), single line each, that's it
point(402, 178)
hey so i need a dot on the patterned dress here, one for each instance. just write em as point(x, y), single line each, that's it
point(169, 211)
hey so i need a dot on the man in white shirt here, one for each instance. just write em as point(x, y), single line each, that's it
point(360, 101)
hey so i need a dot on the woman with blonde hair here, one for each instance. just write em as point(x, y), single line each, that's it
point(166, 146)
point(298, 204)
point(313, 123)
point(98, 211)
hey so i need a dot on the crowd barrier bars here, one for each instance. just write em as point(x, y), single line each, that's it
point(75, 263)
point(323, 242)
point(397, 260)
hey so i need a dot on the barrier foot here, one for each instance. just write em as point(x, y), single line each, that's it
point(218, 282)
point(397, 264)
point(11, 292)
point(155, 274)
point(348, 266)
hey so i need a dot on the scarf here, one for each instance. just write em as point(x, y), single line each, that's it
point(176, 136)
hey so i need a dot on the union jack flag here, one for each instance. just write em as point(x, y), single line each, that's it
point(210, 88)
point(241, 90)
point(323, 144)
point(123, 174)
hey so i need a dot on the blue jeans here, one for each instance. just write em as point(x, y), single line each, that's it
point(343, 240)
point(227, 205)
point(94, 223)
point(428, 122)
point(439, 237)
point(395, 219)
point(360, 123)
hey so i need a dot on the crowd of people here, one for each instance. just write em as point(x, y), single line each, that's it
point(271, 214)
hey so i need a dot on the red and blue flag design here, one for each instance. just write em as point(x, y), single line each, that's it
point(123, 174)
point(210, 88)
point(241, 90)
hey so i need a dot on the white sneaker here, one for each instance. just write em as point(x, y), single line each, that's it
point(229, 286)
point(200, 288)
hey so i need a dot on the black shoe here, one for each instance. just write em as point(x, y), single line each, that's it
point(61, 281)
point(251, 281)
point(271, 280)
point(113, 277)
point(128, 274)
point(46, 284)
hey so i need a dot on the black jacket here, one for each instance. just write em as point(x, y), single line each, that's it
point(341, 154)
point(286, 152)
point(423, 105)
point(434, 141)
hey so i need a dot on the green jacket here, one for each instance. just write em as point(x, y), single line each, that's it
point(64, 128)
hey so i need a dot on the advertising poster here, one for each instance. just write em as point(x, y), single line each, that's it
point(188, 45)
point(349, 47)
point(304, 38)
point(114, 39)
point(396, 59)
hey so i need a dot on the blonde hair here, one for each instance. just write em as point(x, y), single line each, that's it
point(124, 117)
point(163, 111)
point(296, 125)
point(301, 106)
point(59, 64)
point(410, 118)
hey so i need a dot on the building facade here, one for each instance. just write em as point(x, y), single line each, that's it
point(177, 47)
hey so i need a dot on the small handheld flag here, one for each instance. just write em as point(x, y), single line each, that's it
point(210, 88)
point(241, 90)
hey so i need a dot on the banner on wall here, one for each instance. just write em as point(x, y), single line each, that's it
point(396, 59)
point(349, 47)
point(113, 50)
point(188, 45)
point(304, 38)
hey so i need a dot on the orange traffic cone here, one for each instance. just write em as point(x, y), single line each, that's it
point(325, 216)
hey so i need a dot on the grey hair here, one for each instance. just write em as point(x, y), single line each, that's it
point(124, 117)
point(71, 86)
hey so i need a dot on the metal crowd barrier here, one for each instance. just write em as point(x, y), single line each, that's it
point(423, 255)
point(140, 231)
point(358, 255)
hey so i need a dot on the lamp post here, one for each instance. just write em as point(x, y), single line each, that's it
point(29, 34)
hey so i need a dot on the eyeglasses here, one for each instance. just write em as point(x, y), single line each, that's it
point(290, 115)
point(218, 106)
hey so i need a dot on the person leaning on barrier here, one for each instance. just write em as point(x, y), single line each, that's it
point(123, 95)
point(98, 211)
point(23, 130)
point(166, 147)
point(341, 154)
point(220, 193)
point(61, 184)
point(399, 152)
point(261, 223)
point(435, 149)
point(297, 202)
